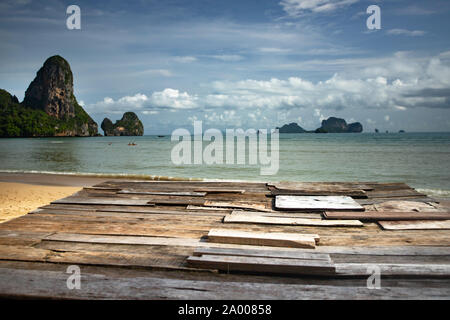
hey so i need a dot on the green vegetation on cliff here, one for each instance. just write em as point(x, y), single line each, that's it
point(49, 107)
point(16, 120)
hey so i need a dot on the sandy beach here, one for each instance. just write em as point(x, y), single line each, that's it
point(22, 193)
point(17, 199)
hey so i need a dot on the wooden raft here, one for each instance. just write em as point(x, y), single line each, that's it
point(145, 239)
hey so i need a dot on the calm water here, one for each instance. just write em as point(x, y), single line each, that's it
point(419, 159)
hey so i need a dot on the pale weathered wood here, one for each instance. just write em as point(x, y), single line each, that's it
point(264, 265)
point(405, 206)
point(299, 254)
point(192, 207)
point(160, 193)
point(384, 215)
point(392, 269)
point(415, 225)
point(317, 203)
point(104, 201)
point(243, 218)
point(281, 214)
point(239, 205)
point(21, 283)
point(386, 250)
point(276, 239)
point(219, 190)
point(315, 189)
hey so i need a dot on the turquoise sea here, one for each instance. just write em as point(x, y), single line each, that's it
point(420, 159)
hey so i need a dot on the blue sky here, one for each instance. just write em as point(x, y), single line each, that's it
point(247, 63)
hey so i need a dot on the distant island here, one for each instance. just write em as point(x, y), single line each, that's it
point(129, 125)
point(49, 108)
point(331, 125)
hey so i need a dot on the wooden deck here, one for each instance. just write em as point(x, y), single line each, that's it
point(144, 240)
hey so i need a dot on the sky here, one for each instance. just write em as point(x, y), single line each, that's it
point(240, 63)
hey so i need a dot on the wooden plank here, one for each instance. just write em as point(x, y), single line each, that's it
point(192, 207)
point(102, 188)
point(281, 214)
point(315, 189)
point(317, 203)
point(276, 239)
point(405, 206)
point(385, 215)
point(394, 269)
point(262, 253)
point(17, 282)
point(407, 250)
point(160, 193)
point(184, 242)
point(262, 265)
point(97, 258)
point(219, 190)
point(243, 218)
point(239, 205)
point(127, 214)
point(103, 201)
point(415, 225)
point(176, 202)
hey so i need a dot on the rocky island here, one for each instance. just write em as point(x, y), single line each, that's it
point(337, 125)
point(129, 125)
point(330, 125)
point(292, 128)
point(49, 107)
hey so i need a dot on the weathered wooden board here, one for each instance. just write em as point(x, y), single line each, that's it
point(97, 284)
point(244, 218)
point(282, 214)
point(385, 215)
point(262, 265)
point(161, 193)
point(300, 254)
point(406, 250)
point(161, 241)
point(177, 202)
point(275, 239)
point(102, 188)
point(238, 205)
point(192, 207)
point(405, 206)
point(104, 201)
point(219, 190)
point(314, 189)
point(415, 225)
point(391, 269)
point(317, 203)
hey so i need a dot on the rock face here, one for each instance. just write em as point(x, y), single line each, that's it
point(129, 125)
point(337, 125)
point(52, 92)
point(291, 128)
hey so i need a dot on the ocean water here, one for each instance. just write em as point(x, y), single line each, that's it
point(421, 160)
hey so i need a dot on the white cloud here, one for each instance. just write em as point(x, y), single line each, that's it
point(399, 82)
point(127, 103)
point(227, 57)
point(404, 32)
point(274, 50)
point(174, 99)
point(185, 59)
point(298, 7)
